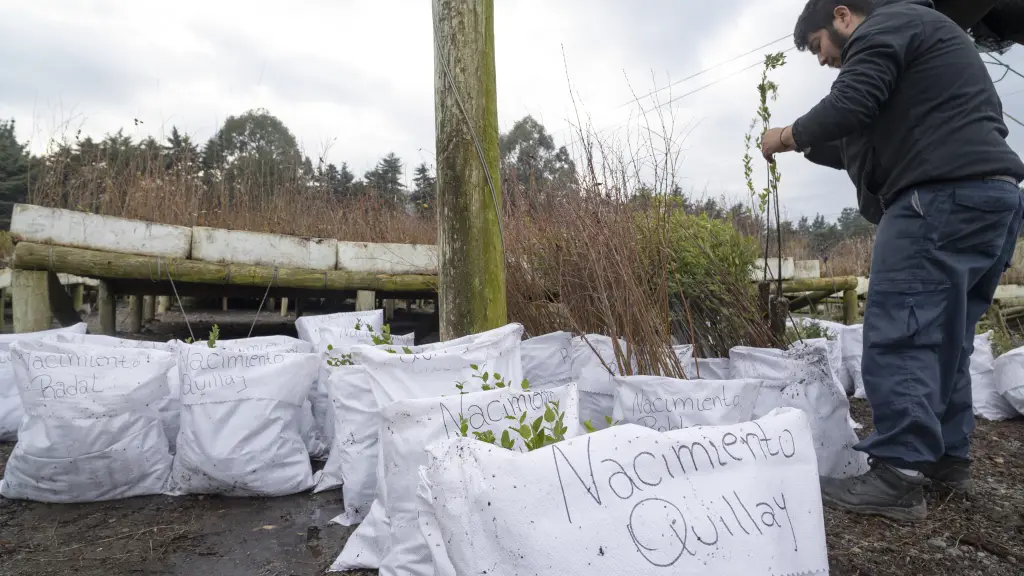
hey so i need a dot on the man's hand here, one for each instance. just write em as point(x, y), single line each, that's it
point(777, 140)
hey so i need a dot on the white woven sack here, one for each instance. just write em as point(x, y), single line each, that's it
point(432, 371)
point(308, 327)
point(708, 369)
point(89, 433)
point(988, 402)
point(11, 411)
point(740, 500)
point(412, 425)
point(594, 369)
point(240, 430)
point(802, 378)
point(169, 406)
point(335, 346)
point(666, 404)
point(547, 360)
point(1009, 378)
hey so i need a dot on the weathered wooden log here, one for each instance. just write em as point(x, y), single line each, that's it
point(95, 264)
point(107, 303)
point(471, 261)
point(30, 301)
point(838, 284)
point(808, 299)
point(850, 307)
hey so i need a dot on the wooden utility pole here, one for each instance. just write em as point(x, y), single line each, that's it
point(471, 262)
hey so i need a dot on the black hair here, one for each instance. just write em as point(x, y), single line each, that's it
point(819, 15)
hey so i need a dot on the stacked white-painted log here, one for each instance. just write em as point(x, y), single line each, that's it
point(120, 235)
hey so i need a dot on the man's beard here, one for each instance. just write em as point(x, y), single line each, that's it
point(838, 40)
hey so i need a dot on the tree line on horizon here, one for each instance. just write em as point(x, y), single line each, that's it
point(255, 150)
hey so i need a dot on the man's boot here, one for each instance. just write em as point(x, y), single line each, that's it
point(883, 491)
point(951, 474)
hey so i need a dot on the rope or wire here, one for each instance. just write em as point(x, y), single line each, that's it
point(476, 141)
point(694, 75)
point(1005, 65)
point(708, 85)
point(272, 281)
point(1012, 118)
point(181, 306)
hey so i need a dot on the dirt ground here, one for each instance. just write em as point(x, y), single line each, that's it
point(291, 536)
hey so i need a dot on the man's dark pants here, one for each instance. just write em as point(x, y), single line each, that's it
point(939, 253)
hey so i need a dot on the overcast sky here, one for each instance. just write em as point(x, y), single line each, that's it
point(356, 76)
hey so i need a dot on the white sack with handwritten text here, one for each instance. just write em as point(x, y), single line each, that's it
point(802, 378)
point(412, 425)
point(169, 406)
point(316, 442)
point(431, 371)
point(1009, 378)
point(240, 430)
point(336, 346)
point(308, 327)
point(708, 369)
point(594, 368)
point(11, 411)
point(666, 404)
point(547, 360)
point(741, 500)
point(89, 433)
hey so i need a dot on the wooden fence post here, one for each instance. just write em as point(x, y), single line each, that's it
point(30, 301)
point(135, 314)
point(850, 307)
point(471, 263)
point(107, 303)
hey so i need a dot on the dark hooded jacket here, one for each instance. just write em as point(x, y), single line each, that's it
point(913, 104)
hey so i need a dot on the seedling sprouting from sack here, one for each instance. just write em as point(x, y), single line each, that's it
point(547, 429)
point(211, 340)
point(382, 339)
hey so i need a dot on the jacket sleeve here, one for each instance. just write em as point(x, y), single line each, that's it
point(829, 155)
point(873, 60)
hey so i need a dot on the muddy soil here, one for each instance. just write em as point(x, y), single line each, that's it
point(291, 536)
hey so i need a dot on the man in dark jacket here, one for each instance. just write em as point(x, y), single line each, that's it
point(915, 120)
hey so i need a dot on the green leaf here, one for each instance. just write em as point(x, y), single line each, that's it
point(525, 432)
point(549, 415)
point(589, 426)
point(506, 440)
point(538, 424)
point(474, 367)
point(407, 350)
point(485, 376)
point(526, 384)
point(608, 419)
point(522, 418)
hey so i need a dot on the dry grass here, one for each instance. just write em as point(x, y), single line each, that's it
point(145, 188)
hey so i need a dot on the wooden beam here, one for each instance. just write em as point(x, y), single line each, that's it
point(135, 314)
point(839, 284)
point(366, 301)
point(30, 301)
point(471, 260)
point(107, 304)
point(148, 308)
point(110, 265)
point(850, 307)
